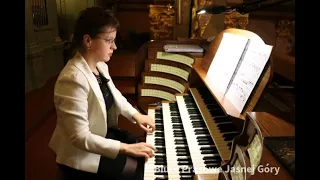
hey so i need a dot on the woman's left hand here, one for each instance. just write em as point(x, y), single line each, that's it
point(145, 122)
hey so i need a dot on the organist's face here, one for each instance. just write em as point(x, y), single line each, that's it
point(104, 44)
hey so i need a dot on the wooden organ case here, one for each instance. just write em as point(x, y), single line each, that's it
point(199, 132)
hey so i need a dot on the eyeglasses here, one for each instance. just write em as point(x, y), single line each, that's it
point(108, 41)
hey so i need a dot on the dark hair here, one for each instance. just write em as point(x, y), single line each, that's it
point(92, 21)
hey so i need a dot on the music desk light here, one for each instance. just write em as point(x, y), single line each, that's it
point(241, 8)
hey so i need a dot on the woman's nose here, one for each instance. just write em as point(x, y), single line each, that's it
point(114, 46)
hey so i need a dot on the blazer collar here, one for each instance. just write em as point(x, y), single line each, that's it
point(83, 66)
point(102, 70)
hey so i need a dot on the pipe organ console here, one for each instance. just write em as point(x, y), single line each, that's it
point(199, 134)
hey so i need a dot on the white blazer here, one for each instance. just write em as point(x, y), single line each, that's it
point(79, 137)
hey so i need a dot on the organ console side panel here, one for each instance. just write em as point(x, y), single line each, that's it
point(248, 146)
point(264, 126)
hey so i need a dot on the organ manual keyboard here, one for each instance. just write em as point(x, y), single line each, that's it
point(196, 123)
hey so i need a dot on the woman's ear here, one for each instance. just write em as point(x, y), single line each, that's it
point(87, 41)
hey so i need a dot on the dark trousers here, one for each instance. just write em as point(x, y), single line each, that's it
point(111, 169)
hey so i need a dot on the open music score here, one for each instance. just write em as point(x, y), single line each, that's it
point(234, 102)
point(226, 60)
point(248, 74)
point(237, 66)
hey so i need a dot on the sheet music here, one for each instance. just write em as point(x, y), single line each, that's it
point(226, 60)
point(248, 74)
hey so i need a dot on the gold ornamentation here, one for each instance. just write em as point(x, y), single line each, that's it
point(236, 20)
point(161, 21)
point(199, 21)
point(286, 29)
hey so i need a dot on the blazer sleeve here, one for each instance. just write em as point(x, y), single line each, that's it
point(126, 109)
point(70, 97)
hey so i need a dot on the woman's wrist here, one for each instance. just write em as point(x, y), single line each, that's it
point(123, 148)
point(136, 116)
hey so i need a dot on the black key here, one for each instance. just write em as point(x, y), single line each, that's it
point(184, 163)
point(183, 153)
point(212, 161)
point(158, 121)
point(184, 159)
point(161, 173)
point(161, 178)
point(208, 151)
point(211, 157)
point(181, 150)
point(207, 138)
point(178, 135)
point(208, 148)
point(198, 125)
point(205, 143)
point(228, 127)
point(222, 119)
point(230, 136)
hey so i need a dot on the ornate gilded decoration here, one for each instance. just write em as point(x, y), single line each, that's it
point(161, 20)
point(236, 20)
point(199, 21)
point(286, 29)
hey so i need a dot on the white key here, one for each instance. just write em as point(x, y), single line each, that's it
point(149, 165)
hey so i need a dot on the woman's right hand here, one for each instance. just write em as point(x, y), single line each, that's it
point(138, 149)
